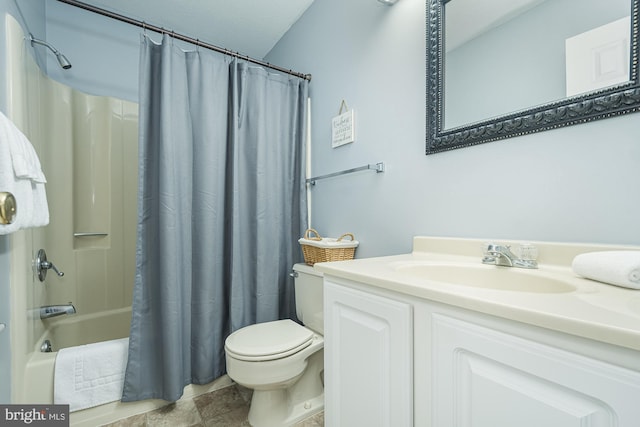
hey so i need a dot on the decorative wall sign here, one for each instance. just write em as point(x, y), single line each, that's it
point(342, 127)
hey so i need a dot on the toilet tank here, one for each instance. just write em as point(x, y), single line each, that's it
point(309, 297)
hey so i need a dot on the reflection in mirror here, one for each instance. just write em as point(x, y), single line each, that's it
point(501, 68)
point(513, 57)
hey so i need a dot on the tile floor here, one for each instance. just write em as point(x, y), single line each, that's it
point(227, 407)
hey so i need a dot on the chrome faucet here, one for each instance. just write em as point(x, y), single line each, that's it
point(48, 311)
point(501, 255)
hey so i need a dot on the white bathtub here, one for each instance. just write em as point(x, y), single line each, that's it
point(68, 331)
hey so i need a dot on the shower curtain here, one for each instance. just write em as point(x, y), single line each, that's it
point(221, 205)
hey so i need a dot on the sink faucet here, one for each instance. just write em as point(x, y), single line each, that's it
point(502, 255)
point(48, 311)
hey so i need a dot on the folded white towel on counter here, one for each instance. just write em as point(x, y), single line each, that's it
point(620, 268)
point(90, 375)
point(21, 175)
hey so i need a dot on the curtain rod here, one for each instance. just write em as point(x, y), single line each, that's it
point(182, 37)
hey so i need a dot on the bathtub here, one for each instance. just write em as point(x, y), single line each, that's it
point(68, 331)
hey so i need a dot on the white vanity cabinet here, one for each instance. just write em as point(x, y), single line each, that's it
point(368, 359)
point(393, 359)
point(482, 377)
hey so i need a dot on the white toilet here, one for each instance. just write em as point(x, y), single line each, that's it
point(282, 361)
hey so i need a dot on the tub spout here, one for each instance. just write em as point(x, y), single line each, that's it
point(48, 311)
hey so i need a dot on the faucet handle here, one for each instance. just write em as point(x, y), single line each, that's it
point(528, 252)
point(41, 265)
point(489, 247)
point(488, 256)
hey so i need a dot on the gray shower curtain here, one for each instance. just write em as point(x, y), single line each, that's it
point(221, 205)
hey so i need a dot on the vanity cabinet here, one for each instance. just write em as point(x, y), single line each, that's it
point(486, 378)
point(368, 359)
point(393, 359)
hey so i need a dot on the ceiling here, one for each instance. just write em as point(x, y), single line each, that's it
point(250, 27)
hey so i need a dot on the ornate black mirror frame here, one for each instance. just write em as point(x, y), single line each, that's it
point(620, 99)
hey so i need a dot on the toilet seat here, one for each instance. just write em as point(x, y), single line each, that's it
point(268, 341)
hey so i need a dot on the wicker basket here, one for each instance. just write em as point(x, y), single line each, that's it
point(318, 249)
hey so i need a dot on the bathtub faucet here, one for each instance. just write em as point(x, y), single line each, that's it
point(48, 311)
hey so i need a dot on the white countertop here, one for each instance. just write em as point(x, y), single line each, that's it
point(594, 310)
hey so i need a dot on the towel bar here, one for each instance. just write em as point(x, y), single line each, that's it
point(378, 167)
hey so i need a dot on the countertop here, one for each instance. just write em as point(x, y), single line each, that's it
point(594, 310)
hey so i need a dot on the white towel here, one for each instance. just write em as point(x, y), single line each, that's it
point(90, 375)
point(26, 164)
point(620, 268)
point(21, 175)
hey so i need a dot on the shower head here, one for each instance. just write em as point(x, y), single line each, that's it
point(62, 60)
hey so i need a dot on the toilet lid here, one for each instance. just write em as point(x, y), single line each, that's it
point(268, 341)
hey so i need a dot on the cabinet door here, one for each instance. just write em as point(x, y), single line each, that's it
point(368, 359)
point(486, 378)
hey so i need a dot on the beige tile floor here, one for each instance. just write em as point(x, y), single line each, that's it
point(227, 407)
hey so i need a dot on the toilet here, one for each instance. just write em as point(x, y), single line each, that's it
point(283, 361)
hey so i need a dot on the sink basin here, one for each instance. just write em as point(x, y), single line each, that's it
point(487, 277)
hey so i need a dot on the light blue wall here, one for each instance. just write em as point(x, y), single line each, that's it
point(573, 184)
point(577, 184)
point(103, 52)
point(34, 14)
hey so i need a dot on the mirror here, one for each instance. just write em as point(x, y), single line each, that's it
point(503, 68)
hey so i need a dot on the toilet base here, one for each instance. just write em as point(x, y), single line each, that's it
point(283, 407)
point(270, 409)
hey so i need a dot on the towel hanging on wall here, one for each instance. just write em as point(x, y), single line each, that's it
point(21, 175)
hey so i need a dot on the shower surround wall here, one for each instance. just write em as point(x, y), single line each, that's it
point(88, 149)
point(95, 155)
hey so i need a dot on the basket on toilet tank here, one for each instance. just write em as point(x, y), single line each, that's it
point(319, 249)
